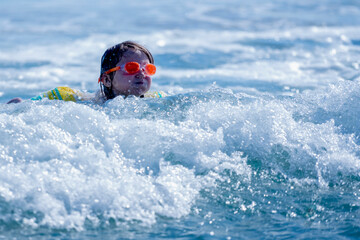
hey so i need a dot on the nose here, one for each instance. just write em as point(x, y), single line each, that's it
point(140, 74)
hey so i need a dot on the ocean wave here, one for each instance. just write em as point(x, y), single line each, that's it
point(68, 165)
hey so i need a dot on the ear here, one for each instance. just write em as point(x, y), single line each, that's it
point(105, 79)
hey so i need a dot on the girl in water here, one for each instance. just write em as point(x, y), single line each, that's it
point(126, 69)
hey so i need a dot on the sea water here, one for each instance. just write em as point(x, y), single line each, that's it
point(258, 138)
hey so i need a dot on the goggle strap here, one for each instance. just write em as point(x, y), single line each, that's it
point(113, 70)
point(109, 71)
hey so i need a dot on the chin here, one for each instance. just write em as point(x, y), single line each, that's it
point(139, 91)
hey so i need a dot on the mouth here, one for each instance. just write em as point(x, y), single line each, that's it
point(140, 82)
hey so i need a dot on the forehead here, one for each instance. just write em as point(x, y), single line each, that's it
point(133, 55)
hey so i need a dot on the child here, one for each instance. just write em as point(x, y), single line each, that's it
point(126, 69)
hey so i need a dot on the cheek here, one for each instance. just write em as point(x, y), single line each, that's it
point(121, 80)
point(148, 79)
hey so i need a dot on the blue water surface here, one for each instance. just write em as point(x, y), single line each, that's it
point(258, 138)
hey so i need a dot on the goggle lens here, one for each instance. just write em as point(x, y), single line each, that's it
point(132, 67)
point(150, 69)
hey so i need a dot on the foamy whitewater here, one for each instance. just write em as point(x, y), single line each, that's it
point(258, 138)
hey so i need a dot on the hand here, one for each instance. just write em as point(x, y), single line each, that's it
point(14, 100)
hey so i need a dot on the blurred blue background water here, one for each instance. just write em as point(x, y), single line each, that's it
point(259, 137)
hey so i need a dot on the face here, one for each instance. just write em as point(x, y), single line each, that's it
point(130, 84)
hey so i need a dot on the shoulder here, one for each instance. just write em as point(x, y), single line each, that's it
point(155, 94)
point(99, 97)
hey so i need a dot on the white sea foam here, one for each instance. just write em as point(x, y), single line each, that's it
point(71, 162)
point(137, 159)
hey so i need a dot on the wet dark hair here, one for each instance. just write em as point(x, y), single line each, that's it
point(112, 56)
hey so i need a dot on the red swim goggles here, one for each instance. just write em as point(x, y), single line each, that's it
point(134, 67)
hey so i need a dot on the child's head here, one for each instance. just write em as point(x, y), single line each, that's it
point(125, 70)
